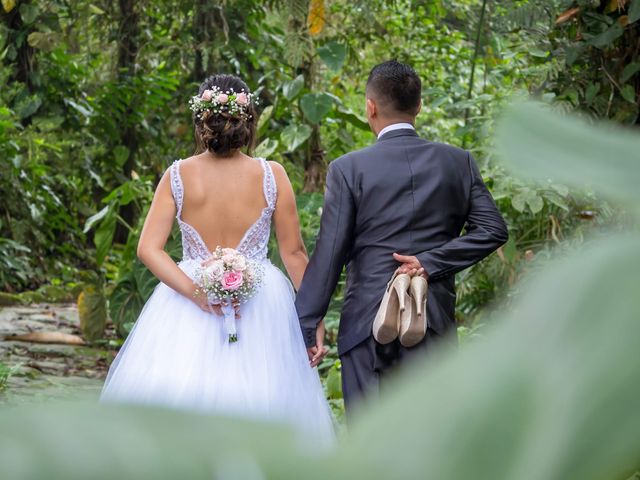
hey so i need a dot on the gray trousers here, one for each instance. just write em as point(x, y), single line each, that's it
point(367, 366)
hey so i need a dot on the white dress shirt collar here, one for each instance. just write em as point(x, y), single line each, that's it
point(395, 126)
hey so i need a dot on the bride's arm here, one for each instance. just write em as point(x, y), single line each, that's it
point(155, 232)
point(287, 227)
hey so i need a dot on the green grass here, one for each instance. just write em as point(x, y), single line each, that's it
point(5, 374)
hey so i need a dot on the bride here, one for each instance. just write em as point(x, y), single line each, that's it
point(178, 354)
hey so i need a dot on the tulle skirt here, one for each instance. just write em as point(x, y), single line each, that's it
point(179, 356)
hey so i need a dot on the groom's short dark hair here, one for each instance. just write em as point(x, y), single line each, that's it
point(396, 87)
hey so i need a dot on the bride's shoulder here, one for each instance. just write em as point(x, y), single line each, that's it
point(279, 172)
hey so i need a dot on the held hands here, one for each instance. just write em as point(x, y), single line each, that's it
point(410, 265)
point(319, 351)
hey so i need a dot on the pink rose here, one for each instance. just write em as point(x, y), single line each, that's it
point(232, 280)
point(223, 98)
point(207, 95)
point(242, 99)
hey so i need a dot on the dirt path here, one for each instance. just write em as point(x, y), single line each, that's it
point(44, 371)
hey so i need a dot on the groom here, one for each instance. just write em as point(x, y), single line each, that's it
point(399, 204)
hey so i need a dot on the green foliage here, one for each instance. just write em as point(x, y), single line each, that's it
point(532, 399)
point(5, 374)
point(129, 295)
point(92, 312)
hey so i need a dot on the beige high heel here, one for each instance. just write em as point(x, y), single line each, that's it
point(393, 308)
point(413, 327)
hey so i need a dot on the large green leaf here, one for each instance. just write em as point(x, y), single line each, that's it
point(606, 38)
point(295, 135)
point(103, 236)
point(315, 106)
point(266, 148)
point(333, 54)
point(129, 295)
point(82, 440)
point(263, 121)
point(352, 118)
point(93, 219)
point(292, 88)
point(92, 312)
point(634, 11)
point(550, 393)
point(573, 151)
point(630, 70)
point(28, 12)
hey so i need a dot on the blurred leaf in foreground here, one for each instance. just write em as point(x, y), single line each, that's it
point(538, 143)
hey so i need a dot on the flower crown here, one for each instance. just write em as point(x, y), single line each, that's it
point(217, 101)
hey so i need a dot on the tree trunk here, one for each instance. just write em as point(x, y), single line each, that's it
point(25, 59)
point(128, 46)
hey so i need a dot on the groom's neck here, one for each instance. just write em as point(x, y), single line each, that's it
point(383, 123)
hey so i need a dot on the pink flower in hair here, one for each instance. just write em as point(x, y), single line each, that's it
point(242, 99)
point(207, 95)
point(223, 98)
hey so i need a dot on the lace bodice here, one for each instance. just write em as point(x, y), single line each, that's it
point(254, 242)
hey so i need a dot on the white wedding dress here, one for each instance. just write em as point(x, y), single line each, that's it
point(179, 356)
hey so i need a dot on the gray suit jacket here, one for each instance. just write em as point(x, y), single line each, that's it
point(407, 195)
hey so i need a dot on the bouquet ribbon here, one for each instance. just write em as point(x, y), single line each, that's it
point(230, 321)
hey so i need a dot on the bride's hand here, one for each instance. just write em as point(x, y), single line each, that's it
point(199, 297)
point(217, 309)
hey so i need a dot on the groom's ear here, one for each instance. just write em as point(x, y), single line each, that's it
point(372, 109)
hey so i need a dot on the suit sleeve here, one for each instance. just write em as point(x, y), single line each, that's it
point(485, 232)
point(329, 256)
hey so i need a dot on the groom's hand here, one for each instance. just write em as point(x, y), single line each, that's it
point(410, 265)
point(319, 351)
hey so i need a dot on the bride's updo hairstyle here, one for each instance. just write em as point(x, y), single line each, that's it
point(224, 115)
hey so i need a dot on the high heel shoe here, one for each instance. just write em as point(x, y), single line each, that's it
point(386, 325)
point(413, 327)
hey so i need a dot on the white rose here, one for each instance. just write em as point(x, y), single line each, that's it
point(229, 259)
point(215, 270)
point(239, 264)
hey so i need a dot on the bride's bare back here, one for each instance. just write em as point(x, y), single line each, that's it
point(222, 198)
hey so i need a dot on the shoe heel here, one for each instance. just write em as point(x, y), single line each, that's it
point(418, 293)
point(414, 326)
point(401, 285)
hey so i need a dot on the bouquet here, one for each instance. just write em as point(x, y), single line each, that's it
point(229, 279)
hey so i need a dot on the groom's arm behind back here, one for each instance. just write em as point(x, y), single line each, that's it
point(330, 254)
point(486, 231)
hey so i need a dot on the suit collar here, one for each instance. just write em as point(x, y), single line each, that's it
point(402, 132)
